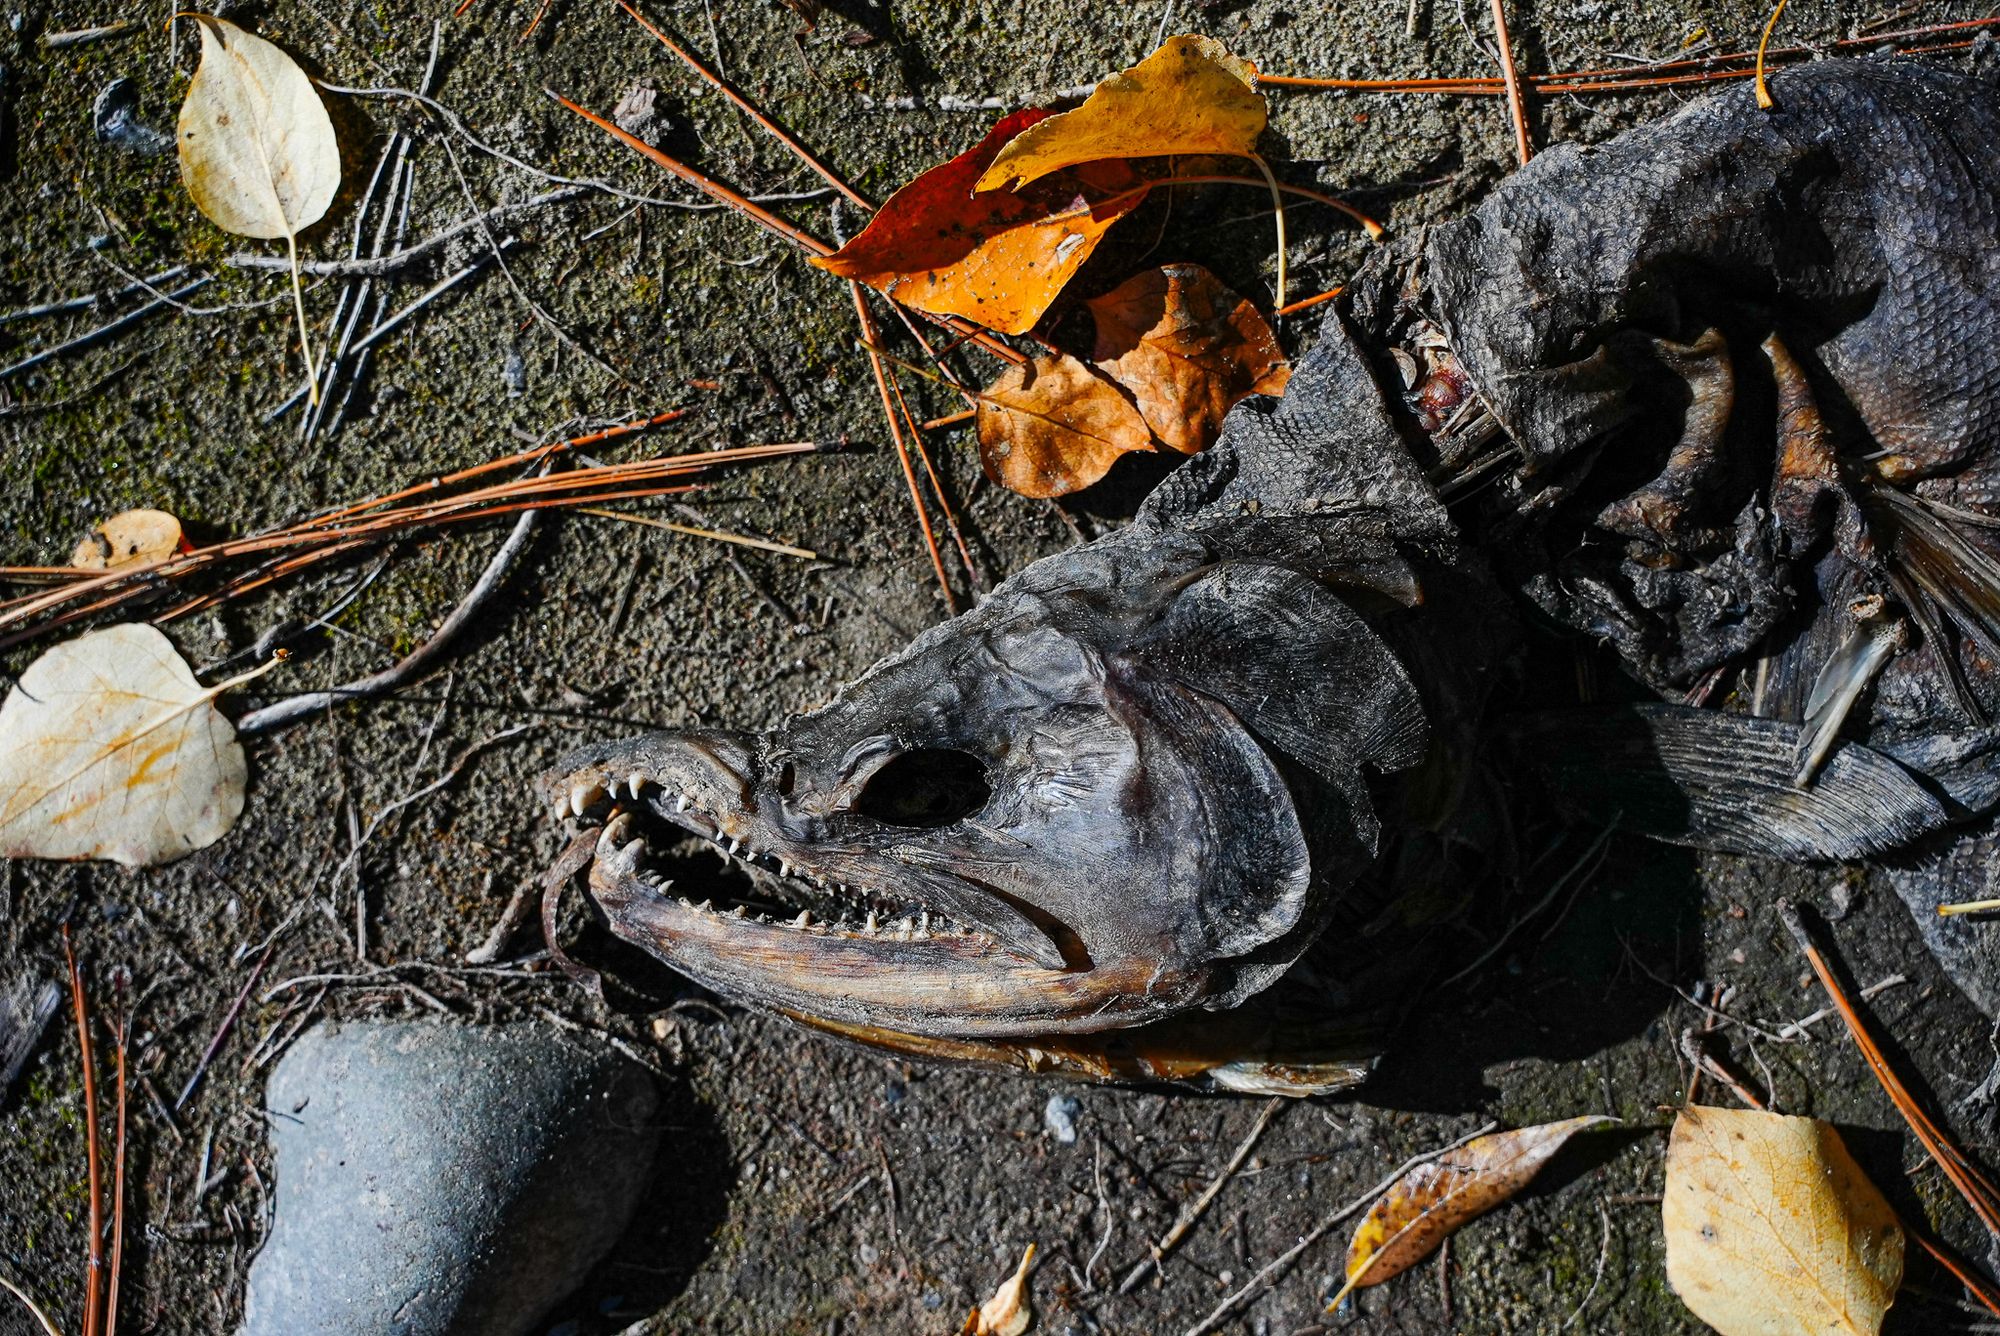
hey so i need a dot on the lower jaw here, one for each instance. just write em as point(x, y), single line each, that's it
point(944, 987)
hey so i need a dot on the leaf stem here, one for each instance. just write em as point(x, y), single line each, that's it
point(299, 305)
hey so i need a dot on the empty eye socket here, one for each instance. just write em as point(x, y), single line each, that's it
point(934, 786)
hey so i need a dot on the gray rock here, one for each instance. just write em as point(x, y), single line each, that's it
point(444, 1180)
point(1059, 1116)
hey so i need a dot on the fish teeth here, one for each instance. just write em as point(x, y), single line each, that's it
point(872, 923)
point(804, 920)
point(618, 829)
point(737, 912)
point(682, 802)
point(636, 782)
point(582, 794)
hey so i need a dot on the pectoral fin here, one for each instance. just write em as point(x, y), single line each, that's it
point(1722, 782)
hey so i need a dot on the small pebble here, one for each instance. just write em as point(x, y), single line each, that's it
point(1059, 1117)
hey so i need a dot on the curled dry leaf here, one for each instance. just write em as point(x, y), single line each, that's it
point(257, 149)
point(1053, 425)
point(1771, 1226)
point(1429, 1204)
point(1190, 96)
point(1186, 348)
point(110, 749)
point(128, 538)
point(999, 260)
point(1007, 1312)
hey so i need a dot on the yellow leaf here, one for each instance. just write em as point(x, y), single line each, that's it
point(1053, 425)
point(110, 749)
point(128, 538)
point(1771, 1226)
point(1429, 1203)
point(1190, 96)
point(257, 149)
point(1006, 1313)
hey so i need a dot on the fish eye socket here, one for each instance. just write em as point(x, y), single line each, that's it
point(933, 786)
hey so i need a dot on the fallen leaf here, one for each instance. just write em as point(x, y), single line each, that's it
point(1053, 425)
point(110, 749)
point(1186, 348)
point(129, 537)
point(1006, 1313)
point(1771, 1226)
point(257, 149)
point(998, 260)
point(1190, 96)
point(1429, 1203)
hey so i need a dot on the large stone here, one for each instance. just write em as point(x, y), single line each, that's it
point(444, 1180)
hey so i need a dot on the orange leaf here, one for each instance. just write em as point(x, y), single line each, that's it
point(1186, 348)
point(999, 260)
point(1053, 425)
point(1428, 1204)
point(1190, 96)
point(129, 537)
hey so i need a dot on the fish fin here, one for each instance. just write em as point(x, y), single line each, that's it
point(1722, 782)
point(1295, 663)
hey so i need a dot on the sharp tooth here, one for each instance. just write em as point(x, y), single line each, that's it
point(630, 852)
point(706, 906)
point(582, 794)
point(736, 911)
point(681, 803)
point(619, 829)
point(903, 930)
point(804, 920)
point(635, 782)
point(784, 868)
point(872, 923)
point(924, 923)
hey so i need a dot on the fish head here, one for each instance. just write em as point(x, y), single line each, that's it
point(1118, 789)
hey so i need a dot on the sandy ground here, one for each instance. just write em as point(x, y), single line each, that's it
point(806, 1188)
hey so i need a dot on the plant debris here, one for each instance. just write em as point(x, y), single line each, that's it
point(1771, 1226)
point(1007, 1312)
point(1054, 426)
point(129, 536)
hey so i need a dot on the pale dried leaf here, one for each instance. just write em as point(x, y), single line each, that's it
point(1771, 1226)
point(1007, 1312)
point(1190, 96)
point(128, 538)
point(110, 749)
point(1053, 425)
point(1429, 1203)
point(257, 149)
point(1186, 348)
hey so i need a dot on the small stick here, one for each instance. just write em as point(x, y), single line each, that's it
point(1981, 1288)
point(720, 536)
point(1763, 89)
point(56, 41)
point(1968, 907)
point(91, 338)
point(222, 1030)
point(513, 918)
point(972, 572)
point(1968, 1178)
point(118, 1186)
point(35, 1309)
point(1517, 107)
point(722, 86)
point(295, 708)
point(870, 336)
point(1319, 1231)
point(69, 304)
point(1804, 1023)
point(1171, 1239)
point(436, 290)
point(1305, 303)
point(1706, 1062)
point(93, 1296)
point(950, 420)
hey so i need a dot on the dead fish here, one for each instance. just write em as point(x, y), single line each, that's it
point(1722, 394)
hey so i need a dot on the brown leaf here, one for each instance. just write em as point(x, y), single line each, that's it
point(1006, 1313)
point(997, 259)
point(1054, 425)
point(129, 537)
point(1190, 96)
point(1429, 1204)
point(1771, 1226)
point(1186, 348)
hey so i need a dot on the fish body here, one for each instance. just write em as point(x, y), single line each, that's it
point(1721, 394)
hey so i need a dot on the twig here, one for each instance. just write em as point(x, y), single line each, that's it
point(1517, 107)
point(95, 299)
point(118, 1185)
point(104, 332)
point(1171, 1239)
point(720, 536)
point(418, 661)
point(1597, 1277)
point(93, 1294)
point(381, 266)
point(871, 337)
point(520, 906)
point(1967, 1177)
point(1103, 1204)
point(57, 41)
point(35, 1309)
point(222, 1029)
point(1804, 1023)
point(1981, 1288)
point(431, 294)
point(1257, 1282)
point(451, 773)
point(1704, 1061)
point(723, 86)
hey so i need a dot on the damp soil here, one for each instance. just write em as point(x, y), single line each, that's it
point(804, 1187)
